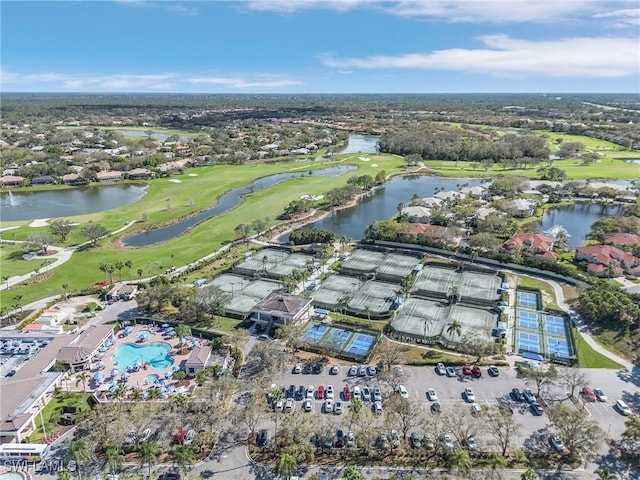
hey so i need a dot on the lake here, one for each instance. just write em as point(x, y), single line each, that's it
point(578, 218)
point(158, 136)
point(66, 203)
point(361, 144)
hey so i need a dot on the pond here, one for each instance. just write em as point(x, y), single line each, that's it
point(226, 202)
point(361, 144)
point(158, 136)
point(577, 219)
point(63, 203)
point(382, 204)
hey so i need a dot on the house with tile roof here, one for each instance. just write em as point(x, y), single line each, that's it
point(282, 309)
point(608, 261)
point(532, 244)
point(621, 239)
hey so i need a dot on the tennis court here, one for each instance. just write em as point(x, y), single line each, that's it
point(435, 279)
point(555, 324)
point(314, 333)
point(362, 261)
point(374, 297)
point(339, 340)
point(528, 342)
point(361, 345)
point(528, 319)
point(528, 299)
point(558, 347)
point(396, 267)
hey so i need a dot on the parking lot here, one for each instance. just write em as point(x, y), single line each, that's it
point(490, 391)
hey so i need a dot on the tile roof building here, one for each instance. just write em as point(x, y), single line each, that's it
point(608, 261)
point(282, 309)
point(532, 244)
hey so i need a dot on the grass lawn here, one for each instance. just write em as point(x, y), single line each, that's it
point(51, 413)
point(548, 294)
point(12, 262)
point(589, 358)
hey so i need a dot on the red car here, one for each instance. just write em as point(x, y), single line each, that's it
point(476, 372)
point(588, 394)
point(320, 393)
point(179, 437)
point(346, 393)
point(466, 371)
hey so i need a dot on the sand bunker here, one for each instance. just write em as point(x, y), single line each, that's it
point(175, 180)
point(193, 174)
point(364, 159)
point(39, 222)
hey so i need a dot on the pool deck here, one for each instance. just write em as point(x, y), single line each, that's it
point(137, 378)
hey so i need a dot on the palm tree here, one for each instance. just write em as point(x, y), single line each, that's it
point(460, 462)
point(604, 474)
point(119, 266)
point(136, 394)
point(182, 331)
point(64, 290)
point(139, 272)
point(129, 265)
point(149, 454)
point(80, 452)
point(355, 406)
point(453, 294)
point(120, 392)
point(179, 401)
point(184, 457)
point(454, 329)
point(154, 394)
point(495, 462)
point(5, 278)
point(82, 377)
point(18, 299)
point(287, 465)
point(113, 458)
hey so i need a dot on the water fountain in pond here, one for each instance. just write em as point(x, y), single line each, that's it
point(553, 231)
point(13, 202)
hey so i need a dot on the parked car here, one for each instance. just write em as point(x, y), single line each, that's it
point(291, 391)
point(588, 394)
point(395, 438)
point(346, 393)
point(622, 407)
point(328, 406)
point(377, 407)
point(516, 395)
point(357, 393)
point(297, 368)
point(382, 442)
point(447, 440)
point(440, 369)
point(353, 371)
point(278, 405)
point(416, 441)
point(289, 405)
point(318, 367)
point(335, 370)
point(432, 395)
point(366, 394)
point(262, 438)
point(307, 405)
point(436, 408)
point(471, 443)
point(451, 372)
point(399, 370)
point(469, 395)
point(300, 393)
point(338, 407)
point(320, 393)
point(528, 396)
point(308, 368)
point(466, 370)
point(362, 371)
point(556, 443)
point(536, 409)
point(340, 440)
point(351, 440)
point(371, 371)
point(476, 372)
point(475, 409)
point(310, 390)
point(600, 395)
point(188, 438)
point(377, 394)
point(493, 371)
point(402, 391)
point(329, 392)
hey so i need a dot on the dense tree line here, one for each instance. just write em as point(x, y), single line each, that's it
point(305, 236)
point(610, 307)
point(455, 144)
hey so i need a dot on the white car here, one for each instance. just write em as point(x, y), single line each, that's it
point(297, 368)
point(600, 395)
point(278, 406)
point(329, 392)
point(338, 407)
point(307, 405)
point(328, 406)
point(353, 371)
point(377, 407)
point(475, 409)
point(469, 395)
point(402, 391)
point(432, 395)
point(623, 408)
point(310, 391)
point(289, 404)
point(399, 370)
point(447, 440)
point(188, 438)
point(357, 393)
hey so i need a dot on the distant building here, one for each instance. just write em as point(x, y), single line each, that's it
point(523, 208)
point(12, 181)
point(621, 239)
point(139, 174)
point(43, 180)
point(80, 354)
point(197, 360)
point(109, 176)
point(122, 291)
point(608, 261)
point(74, 179)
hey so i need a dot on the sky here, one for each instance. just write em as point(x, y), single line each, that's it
point(320, 46)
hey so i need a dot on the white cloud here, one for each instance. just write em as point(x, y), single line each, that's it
point(137, 82)
point(595, 57)
point(180, 9)
point(464, 11)
point(239, 82)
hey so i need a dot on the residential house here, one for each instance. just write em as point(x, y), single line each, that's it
point(621, 239)
point(532, 244)
point(451, 197)
point(417, 214)
point(12, 181)
point(608, 260)
point(139, 174)
point(74, 179)
point(523, 208)
point(197, 360)
point(477, 192)
point(282, 309)
point(122, 291)
point(110, 176)
point(43, 180)
point(433, 234)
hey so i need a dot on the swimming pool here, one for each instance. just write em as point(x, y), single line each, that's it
point(151, 379)
point(155, 354)
point(12, 476)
